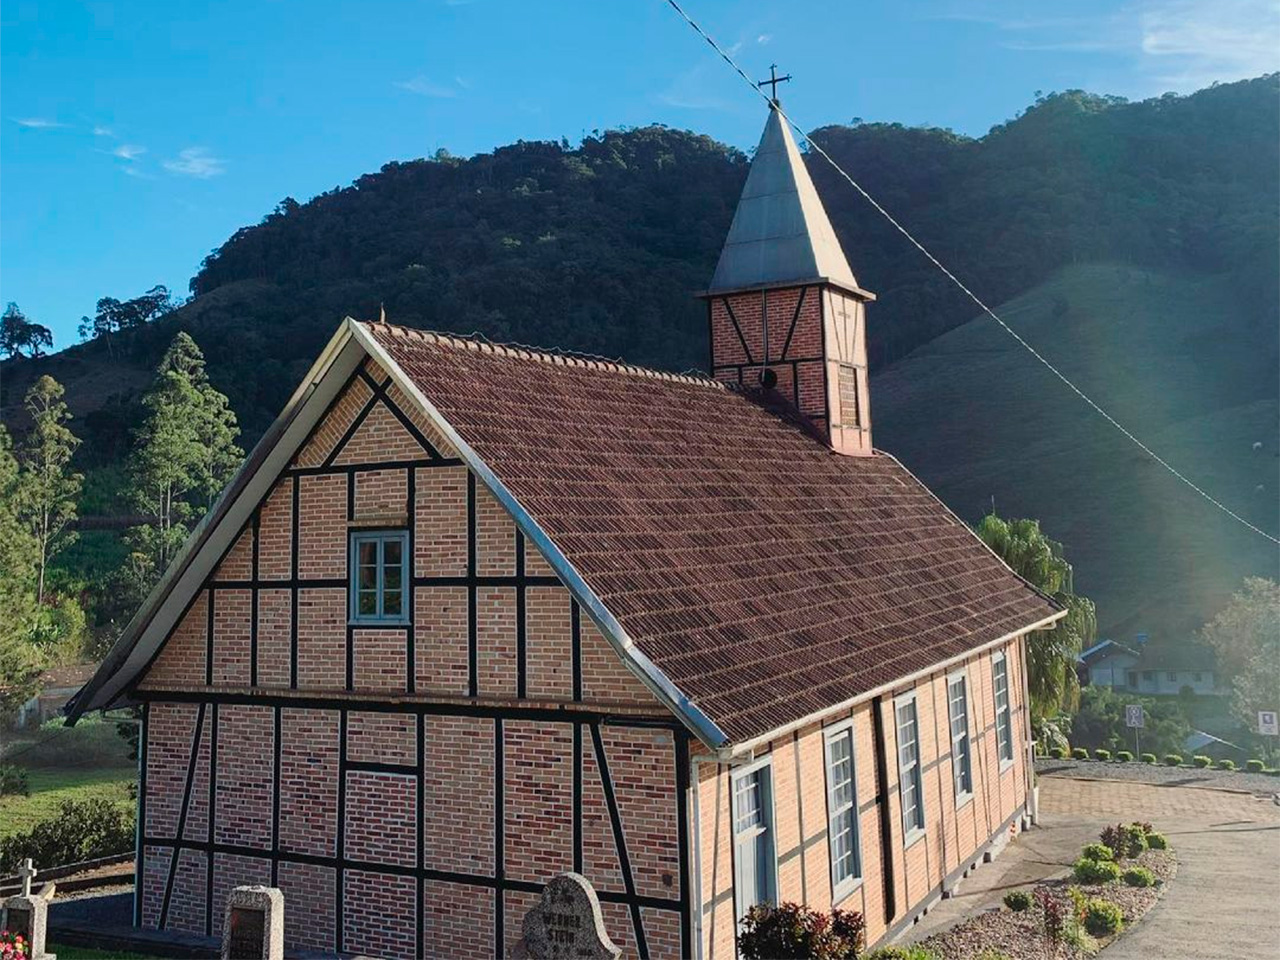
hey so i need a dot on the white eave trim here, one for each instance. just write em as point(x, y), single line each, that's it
point(645, 669)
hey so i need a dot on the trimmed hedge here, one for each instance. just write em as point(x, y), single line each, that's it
point(1225, 764)
point(1097, 851)
point(1173, 759)
point(1201, 761)
point(1101, 754)
point(1124, 756)
point(1103, 918)
point(1157, 841)
point(1080, 753)
point(1148, 758)
point(1255, 766)
point(1058, 753)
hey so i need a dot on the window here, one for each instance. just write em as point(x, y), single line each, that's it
point(958, 704)
point(754, 863)
point(909, 767)
point(379, 572)
point(842, 813)
point(1171, 676)
point(1004, 722)
point(1198, 677)
point(1131, 678)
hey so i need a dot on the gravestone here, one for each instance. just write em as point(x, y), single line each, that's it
point(27, 915)
point(253, 928)
point(566, 923)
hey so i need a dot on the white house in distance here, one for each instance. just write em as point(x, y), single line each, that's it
point(1157, 671)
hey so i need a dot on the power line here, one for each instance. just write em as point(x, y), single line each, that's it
point(959, 283)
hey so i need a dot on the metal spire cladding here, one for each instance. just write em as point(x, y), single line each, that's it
point(780, 232)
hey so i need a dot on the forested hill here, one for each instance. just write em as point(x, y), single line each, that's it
point(599, 247)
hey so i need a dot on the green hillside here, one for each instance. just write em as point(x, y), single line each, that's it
point(977, 418)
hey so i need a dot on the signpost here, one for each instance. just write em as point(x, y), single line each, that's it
point(1268, 723)
point(1133, 717)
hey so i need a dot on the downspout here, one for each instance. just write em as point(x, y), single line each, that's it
point(695, 881)
point(1033, 797)
point(886, 826)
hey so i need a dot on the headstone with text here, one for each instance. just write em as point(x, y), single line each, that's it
point(253, 928)
point(566, 923)
point(27, 915)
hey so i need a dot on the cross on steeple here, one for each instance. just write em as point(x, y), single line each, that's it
point(773, 82)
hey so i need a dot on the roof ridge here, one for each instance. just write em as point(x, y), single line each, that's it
point(481, 344)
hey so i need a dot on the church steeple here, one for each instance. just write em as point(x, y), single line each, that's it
point(786, 311)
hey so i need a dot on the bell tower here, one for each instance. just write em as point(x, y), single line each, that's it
point(786, 313)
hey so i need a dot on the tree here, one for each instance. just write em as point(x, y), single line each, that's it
point(17, 333)
point(185, 452)
point(47, 489)
point(19, 661)
point(1051, 654)
point(1245, 638)
point(114, 316)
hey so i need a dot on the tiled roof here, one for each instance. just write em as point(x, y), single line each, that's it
point(766, 576)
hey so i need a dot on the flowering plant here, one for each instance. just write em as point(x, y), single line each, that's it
point(12, 946)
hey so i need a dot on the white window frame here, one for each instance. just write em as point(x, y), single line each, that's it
point(768, 810)
point(842, 887)
point(913, 833)
point(963, 794)
point(1005, 761)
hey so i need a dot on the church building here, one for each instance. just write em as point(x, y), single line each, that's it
point(471, 616)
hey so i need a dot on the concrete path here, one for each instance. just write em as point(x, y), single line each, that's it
point(1223, 902)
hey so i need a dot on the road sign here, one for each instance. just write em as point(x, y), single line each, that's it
point(1133, 715)
point(1268, 723)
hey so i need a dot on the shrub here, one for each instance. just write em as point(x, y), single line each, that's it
point(1157, 841)
point(1077, 941)
point(1139, 877)
point(792, 930)
point(1145, 825)
point(1097, 851)
point(1017, 900)
point(910, 951)
point(1124, 756)
point(1148, 758)
point(1080, 753)
point(80, 830)
point(1173, 759)
point(1201, 761)
point(1058, 753)
point(13, 780)
point(1135, 839)
point(1053, 919)
point(1254, 766)
point(1103, 918)
point(1226, 764)
point(1095, 871)
point(1112, 838)
point(1101, 754)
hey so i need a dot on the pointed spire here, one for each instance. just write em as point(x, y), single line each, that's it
point(780, 232)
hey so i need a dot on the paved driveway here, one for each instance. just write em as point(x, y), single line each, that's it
point(1223, 902)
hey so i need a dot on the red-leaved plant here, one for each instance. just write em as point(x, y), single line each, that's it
point(792, 931)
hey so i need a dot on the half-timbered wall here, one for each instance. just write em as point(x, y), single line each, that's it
point(409, 787)
point(897, 879)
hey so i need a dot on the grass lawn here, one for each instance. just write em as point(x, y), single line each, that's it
point(51, 785)
point(90, 953)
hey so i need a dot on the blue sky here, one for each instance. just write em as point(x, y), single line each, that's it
point(136, 137)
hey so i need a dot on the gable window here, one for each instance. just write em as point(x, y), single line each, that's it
point(754, 864)
point(958, 705)
point(909, 767)
point(379, 574)
point(842, 813)
point(1004, 719)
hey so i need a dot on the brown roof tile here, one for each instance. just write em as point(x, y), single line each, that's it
point(766, 576)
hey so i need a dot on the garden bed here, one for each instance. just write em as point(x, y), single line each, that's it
point(1003, 933)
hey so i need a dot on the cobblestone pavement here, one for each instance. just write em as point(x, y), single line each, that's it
point(1222, 904)
point(1157, 773)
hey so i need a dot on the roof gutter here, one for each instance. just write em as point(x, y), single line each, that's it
point(742, 751)
point(645, 669)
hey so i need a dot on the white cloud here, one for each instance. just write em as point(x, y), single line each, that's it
point(764, 39)
point(103, 132)
point(37, 123)
point(425, 88)
point(196, 162)
point(128, 151)
point(1169, 44)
